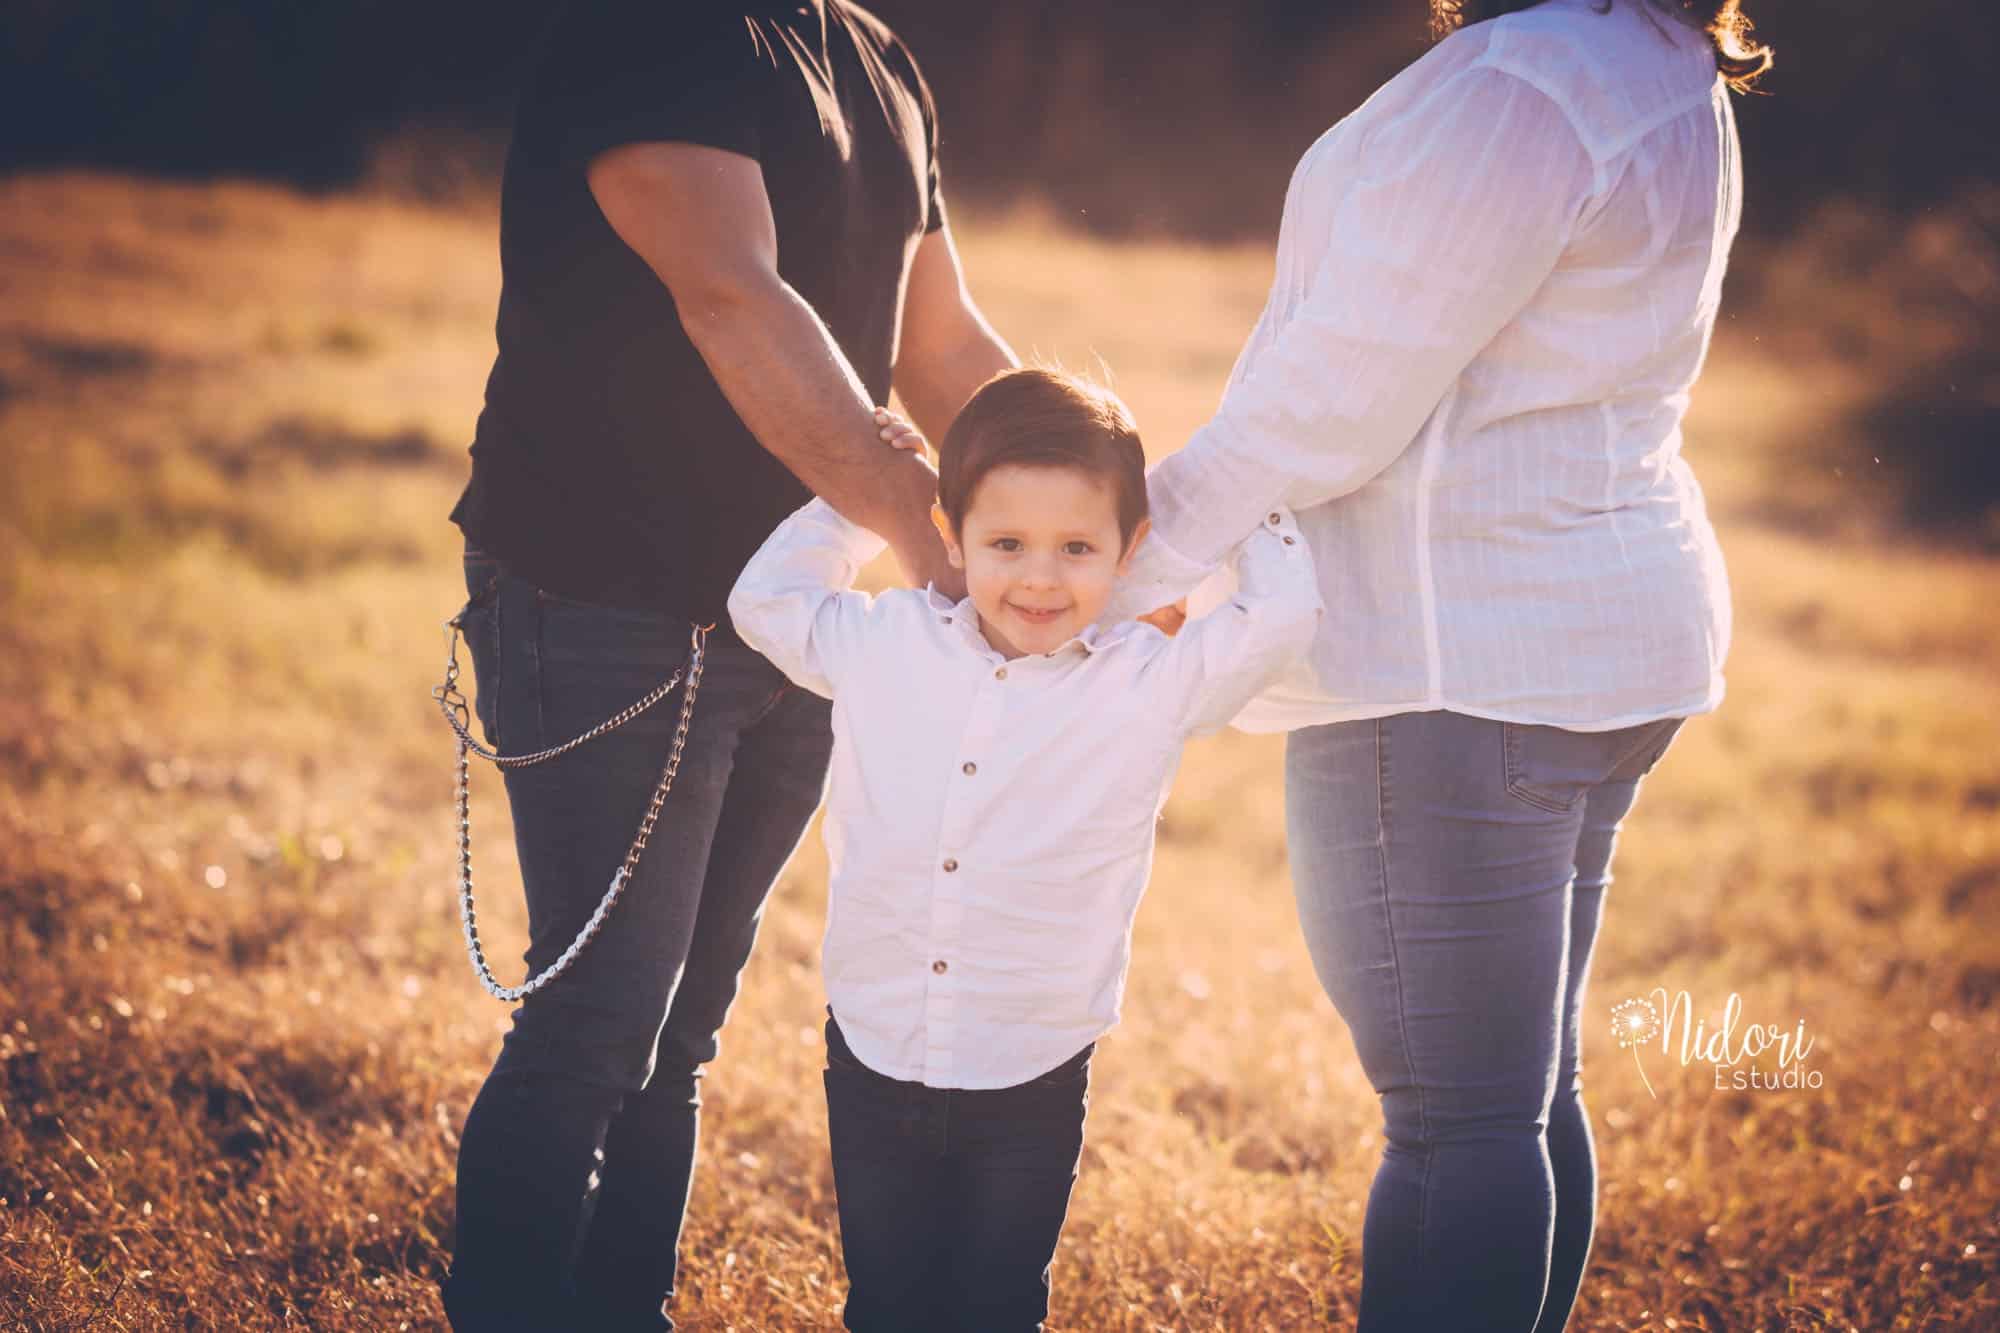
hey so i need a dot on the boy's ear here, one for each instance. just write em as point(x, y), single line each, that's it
point(1132, 547)
point(943, 524)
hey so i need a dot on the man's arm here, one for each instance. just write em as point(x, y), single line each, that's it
point(947, 349)
point(701, 219)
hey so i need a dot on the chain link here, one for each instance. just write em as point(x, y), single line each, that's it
point(451, 702)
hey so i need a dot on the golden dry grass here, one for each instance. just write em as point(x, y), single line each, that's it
point(237, 1033)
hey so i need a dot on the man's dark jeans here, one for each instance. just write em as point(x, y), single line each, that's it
point(574, 1165)
point(951, 1201)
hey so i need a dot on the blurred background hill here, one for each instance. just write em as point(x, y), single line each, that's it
point(1178, 117)
point(1871, 232)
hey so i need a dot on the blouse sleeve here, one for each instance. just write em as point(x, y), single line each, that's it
point(1459, 210)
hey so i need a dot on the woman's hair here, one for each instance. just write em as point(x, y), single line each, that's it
point(1738, 54)
point(1043, 418)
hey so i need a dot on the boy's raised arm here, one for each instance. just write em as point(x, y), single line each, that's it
point(1221, 661)
point(794, 601)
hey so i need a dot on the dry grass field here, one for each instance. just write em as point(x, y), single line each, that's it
point(237, 1030)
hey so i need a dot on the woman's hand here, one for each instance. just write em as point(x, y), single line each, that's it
point(898, 433)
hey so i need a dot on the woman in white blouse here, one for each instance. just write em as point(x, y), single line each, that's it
point(1496, 282)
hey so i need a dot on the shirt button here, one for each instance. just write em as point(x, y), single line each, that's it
point(939, 967)
point(1274, 519)
point(969, 768)
point(1001, 674)
point(1290, 542)
point(947, 620)
point(950, 864)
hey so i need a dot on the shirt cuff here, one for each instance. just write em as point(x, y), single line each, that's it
point(1273, 554)
point(859, 544)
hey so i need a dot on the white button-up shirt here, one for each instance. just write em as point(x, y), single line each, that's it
point(1495, 285)
point(989, 823)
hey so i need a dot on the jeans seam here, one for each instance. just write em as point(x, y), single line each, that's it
point(1063, 1076)
point(533, 645)
point(770, 706)
point(1396, 969)
point(499, 654)
point(547, 598)
point(485, 597)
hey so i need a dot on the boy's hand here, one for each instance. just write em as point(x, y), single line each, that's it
point(898, 433)
point(1168, 619)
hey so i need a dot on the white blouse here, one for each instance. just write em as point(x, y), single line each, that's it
point(989, 823)
point(1496, 282)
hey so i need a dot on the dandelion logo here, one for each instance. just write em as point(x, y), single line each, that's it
point(1634, 1023)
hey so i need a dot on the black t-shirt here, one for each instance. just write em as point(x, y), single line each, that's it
point(607, 465)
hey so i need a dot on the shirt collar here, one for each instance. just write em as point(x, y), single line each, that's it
point(964, 616)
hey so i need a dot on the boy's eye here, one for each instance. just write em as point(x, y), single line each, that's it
point(1077, 548)
point(1006, 543)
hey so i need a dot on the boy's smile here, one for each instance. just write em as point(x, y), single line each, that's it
point(1041, 550)
point(1035, 616)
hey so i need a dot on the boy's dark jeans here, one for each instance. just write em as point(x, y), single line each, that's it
point(574, 1165)
point(951, 1201)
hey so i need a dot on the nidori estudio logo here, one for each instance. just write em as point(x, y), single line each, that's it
point(1759, 1056)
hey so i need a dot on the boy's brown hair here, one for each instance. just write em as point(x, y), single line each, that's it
point(1043, 418)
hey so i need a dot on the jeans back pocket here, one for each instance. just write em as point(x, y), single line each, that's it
point(1553, 768)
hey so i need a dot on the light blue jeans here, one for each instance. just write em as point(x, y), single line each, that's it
point(1450, 874)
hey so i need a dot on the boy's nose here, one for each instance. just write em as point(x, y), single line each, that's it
point(1040, 574)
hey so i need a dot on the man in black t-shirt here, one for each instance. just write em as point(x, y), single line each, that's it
point(722, 242)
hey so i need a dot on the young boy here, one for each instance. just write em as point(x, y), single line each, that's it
point(998, 767)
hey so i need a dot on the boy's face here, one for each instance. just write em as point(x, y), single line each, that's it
point(1041, 551)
